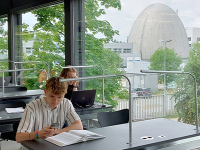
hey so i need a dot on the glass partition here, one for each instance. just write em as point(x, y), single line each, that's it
point(128, 36)
point(4, 45)
point(42, 41)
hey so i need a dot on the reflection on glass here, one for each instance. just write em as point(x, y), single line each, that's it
point(43, 41)
point(132, 30)
point(3, 45)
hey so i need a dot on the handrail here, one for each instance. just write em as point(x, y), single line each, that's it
point(108, 76)
point(19, 70)
point(3, 73)
point(195, 87)
point(90, 67)
point(23, 62)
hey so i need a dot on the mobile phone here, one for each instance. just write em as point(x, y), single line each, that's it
point(54, 125)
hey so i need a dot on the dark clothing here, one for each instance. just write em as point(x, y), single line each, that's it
point(68, 96)
point(69, 92)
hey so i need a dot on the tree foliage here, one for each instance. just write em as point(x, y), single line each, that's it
point(185, 96)
point(3, 36)
point(49, 44)
point(173, 62)
point(3, 44)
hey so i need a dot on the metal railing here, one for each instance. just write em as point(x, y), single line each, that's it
point(195, 88)
point(149, 107)
point(2, 71)
point(23, 62)
point(109, 76)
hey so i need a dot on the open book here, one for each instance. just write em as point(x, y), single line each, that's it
point(73, 136)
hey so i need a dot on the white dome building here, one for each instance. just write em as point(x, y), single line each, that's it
point(158, 22)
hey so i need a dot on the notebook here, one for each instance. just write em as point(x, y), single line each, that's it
point(83, 99)
point(6, 81)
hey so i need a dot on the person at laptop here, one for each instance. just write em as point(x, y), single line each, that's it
point(49, 108)
point(72, 85)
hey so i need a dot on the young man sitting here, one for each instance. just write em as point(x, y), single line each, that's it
point(49, 108)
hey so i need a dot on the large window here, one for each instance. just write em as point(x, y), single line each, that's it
point(126, 50)
point(4, 45)
point(156, 36)
point(117, 50)
point(3, 39)
point(161, 35)
point(42, 42)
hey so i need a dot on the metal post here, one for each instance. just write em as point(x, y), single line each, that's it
point(164, 99)
point(130, 101)
point(164, 96)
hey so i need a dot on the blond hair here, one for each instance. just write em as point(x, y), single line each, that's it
point(65, 72)
point(55, 86)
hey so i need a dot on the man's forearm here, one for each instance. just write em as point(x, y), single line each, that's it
point(25, 136)
point(77, 125)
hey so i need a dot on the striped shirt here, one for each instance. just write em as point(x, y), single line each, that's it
point(38, 115)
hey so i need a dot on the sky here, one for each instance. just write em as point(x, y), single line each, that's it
point(123, 20)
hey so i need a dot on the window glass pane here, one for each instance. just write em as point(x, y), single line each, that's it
point(99, 32)
point(42, 41)
point(4, 44)
point(150, 34)
point(126, 50)
point(116, 50)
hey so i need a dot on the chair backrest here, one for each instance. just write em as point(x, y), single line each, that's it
point(113, 118)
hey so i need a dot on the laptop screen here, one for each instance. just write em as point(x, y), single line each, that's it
point(83, 99)
point(6, 81)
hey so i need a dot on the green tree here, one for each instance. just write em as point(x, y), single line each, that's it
point(3, 44)
point(49, 40)
point(185, 96)
point(173, 62)
point(3, 36)
point(109, 62)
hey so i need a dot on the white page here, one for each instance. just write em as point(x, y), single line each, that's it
point(64, 139)
point(15, 110)
point(86, 134)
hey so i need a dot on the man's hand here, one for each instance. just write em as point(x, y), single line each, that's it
point(47, 132)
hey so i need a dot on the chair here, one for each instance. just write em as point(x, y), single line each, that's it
point(113, 118)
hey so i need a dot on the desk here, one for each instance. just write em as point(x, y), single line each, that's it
point(117, 136)
point(85, 114)
point(19, 94)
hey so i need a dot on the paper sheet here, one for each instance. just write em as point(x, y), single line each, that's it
point(15, 110)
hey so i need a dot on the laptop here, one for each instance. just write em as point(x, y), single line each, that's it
point(83, 99)
point(6, 81)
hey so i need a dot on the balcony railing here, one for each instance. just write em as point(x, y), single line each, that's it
point(149, 107)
